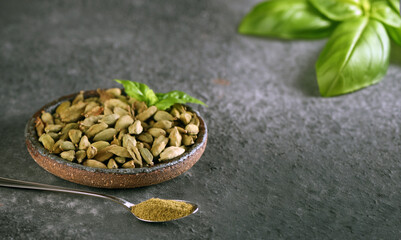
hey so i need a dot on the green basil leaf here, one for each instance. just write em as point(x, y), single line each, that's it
point(139, 91)
point(386, 14)
point(395, 34)
point(339, 10)
point(356, 56)
point(286, 19)
point(395, 4)
point(168, 99)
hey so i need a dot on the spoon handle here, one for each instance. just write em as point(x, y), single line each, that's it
point(12, 183)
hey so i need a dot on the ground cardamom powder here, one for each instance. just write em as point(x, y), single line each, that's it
point(156, 209)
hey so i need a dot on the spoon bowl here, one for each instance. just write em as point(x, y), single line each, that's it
point(12, 183)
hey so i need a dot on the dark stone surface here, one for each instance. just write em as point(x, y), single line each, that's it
point(281, 162)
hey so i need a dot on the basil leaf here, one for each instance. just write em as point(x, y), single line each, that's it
point(166, 100)
point(386, 14)
point(395, 34)
point(286, 19)
point(139, 91)
point(356, 56)
point(395, 4)
point(338, 10)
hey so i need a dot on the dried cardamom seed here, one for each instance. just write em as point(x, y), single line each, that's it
point(99, 145)
point(129, 164)
point(47, 141)
point(120, 160)
point(159, 145)
point(67, 145)
point(80, 155)
point(155, 132)
point(75, 135)
point(73, 113)
point(94, 163)
point(135, 128)
point(185, 117)
point(171, 152)
point(118, 150)
point(115, 92)
point(56, 147)
point(63, 106)
point(145, 137)
point(39, 125)
point(163, 115)
point(68, 155)
point(105, 135)
point(187, 140)
point(146, 155)
point(84, 143)
point(112, 164)
point(127, 139)
point(47, 118)
point(91, 152)
point(110, 119)
point(123, 122)
point(143, 116)
point(175, 137)
point(163, 124)
point(192, 129)
point(95, 129)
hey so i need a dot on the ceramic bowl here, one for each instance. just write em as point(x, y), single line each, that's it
point(110, 178)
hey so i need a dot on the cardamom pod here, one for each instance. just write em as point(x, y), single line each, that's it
point(39, 125)
point(47, 118)
point(115, 141)
point(129, 164)
point(47, 141)
point(99, 145)
point(110, 119)
point(75, 135)
point(68, 155)
point(115, 92)
point(192, 129)
point(163, 124)
point(127, 139)
point(91, 152)
point(94, 163)
point(175, 138)
point(179, 107)
point(118, 150)
point(171, 152)
point(146, 155)
point(73, 113)
point(115, 102)
point(96, 111)
point(90, 106)
point(145, 137)
point(53, 128)
point(84, 143)
point(120, 160)
point(78, 98)
point(95, 129)
point(143, 116)
point(155, 132)
point(180, 129)
point(54, 135)
point(63, 106)
point(159, 145)
point(67, 145)
point(163, 115)
point(89, 121)
point(80, 155)
point(123, 122)
point(112, 164)
point(56, 147)
point(185, 117)
point(120, 111)
point(135, 128)
point(195, 120)
point(187, 140)
point(103, 155)
point(66, 129)
point(135, 154)
point(175, 113)
point(140, 107)
point(105, 135)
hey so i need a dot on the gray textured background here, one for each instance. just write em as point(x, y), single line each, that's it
point(281, 162)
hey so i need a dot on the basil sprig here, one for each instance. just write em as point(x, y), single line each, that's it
point(358, 51)
point(162, 101)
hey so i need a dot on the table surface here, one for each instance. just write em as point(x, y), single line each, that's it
point(281, 161)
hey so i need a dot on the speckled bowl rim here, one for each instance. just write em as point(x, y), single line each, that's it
point(31, 136)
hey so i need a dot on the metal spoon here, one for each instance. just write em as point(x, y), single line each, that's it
point(6, 182)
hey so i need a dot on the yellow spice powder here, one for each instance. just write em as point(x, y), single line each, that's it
point(156, 209)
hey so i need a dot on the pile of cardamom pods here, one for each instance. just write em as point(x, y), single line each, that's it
point(116, 131)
